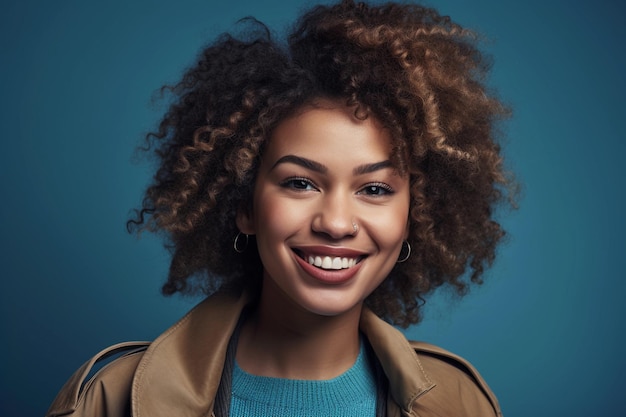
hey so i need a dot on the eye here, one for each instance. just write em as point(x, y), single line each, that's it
point(376, 190)
point(299, 184)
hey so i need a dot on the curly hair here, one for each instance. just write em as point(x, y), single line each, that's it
point(418, 73)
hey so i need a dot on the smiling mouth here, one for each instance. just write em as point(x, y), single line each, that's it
point(330, 262)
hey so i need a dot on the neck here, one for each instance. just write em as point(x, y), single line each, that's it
point(285, 341)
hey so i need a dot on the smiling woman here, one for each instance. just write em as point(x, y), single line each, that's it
point(317, 192)
point(322, 173)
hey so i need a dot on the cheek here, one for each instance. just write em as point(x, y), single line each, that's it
point(277, 217)
point(389, 230)
point(392, 223)
point(390, 238)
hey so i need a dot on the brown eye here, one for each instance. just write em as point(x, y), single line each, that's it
point(302, 184)
point(377, 190)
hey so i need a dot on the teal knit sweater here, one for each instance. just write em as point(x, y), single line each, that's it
point(352, 394)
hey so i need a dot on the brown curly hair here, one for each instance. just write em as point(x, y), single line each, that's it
point(417, 72)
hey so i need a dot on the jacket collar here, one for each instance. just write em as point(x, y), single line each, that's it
point(180, 372)
point(407, 379)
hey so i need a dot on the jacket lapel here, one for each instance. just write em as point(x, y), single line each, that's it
point(180, 373)
point(407, 378)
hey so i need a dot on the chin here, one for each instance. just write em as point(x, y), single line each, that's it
point(332, 306)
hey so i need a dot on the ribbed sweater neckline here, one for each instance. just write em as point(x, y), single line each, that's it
point(354, 388)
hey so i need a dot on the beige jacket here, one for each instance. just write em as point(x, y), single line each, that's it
point(178, 374)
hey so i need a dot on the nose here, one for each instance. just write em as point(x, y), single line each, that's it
point(335, 217)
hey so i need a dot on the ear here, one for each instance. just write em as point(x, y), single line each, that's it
point(407, 229)
point(245, 220)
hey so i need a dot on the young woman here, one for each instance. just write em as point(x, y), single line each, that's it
point(317, 191)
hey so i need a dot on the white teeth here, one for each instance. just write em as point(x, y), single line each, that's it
point(328, 262)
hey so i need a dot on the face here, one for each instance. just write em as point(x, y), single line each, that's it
point(329, 211)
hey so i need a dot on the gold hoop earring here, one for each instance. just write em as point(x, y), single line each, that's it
point(238, 245)
point(407, 245)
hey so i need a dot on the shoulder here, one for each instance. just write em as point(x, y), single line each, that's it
point(425, 380)
point(453, 377)
point(107, 392)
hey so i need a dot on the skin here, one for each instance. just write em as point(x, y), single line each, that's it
point(323, 172)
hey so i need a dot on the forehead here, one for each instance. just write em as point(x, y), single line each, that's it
point(329, 130)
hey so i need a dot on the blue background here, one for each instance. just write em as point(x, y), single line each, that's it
point(76, 82)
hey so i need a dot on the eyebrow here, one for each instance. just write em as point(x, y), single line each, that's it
point(367, 168)
point(321, 168)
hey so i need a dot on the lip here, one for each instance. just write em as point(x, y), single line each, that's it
point(329, 251)
point(335, 276)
